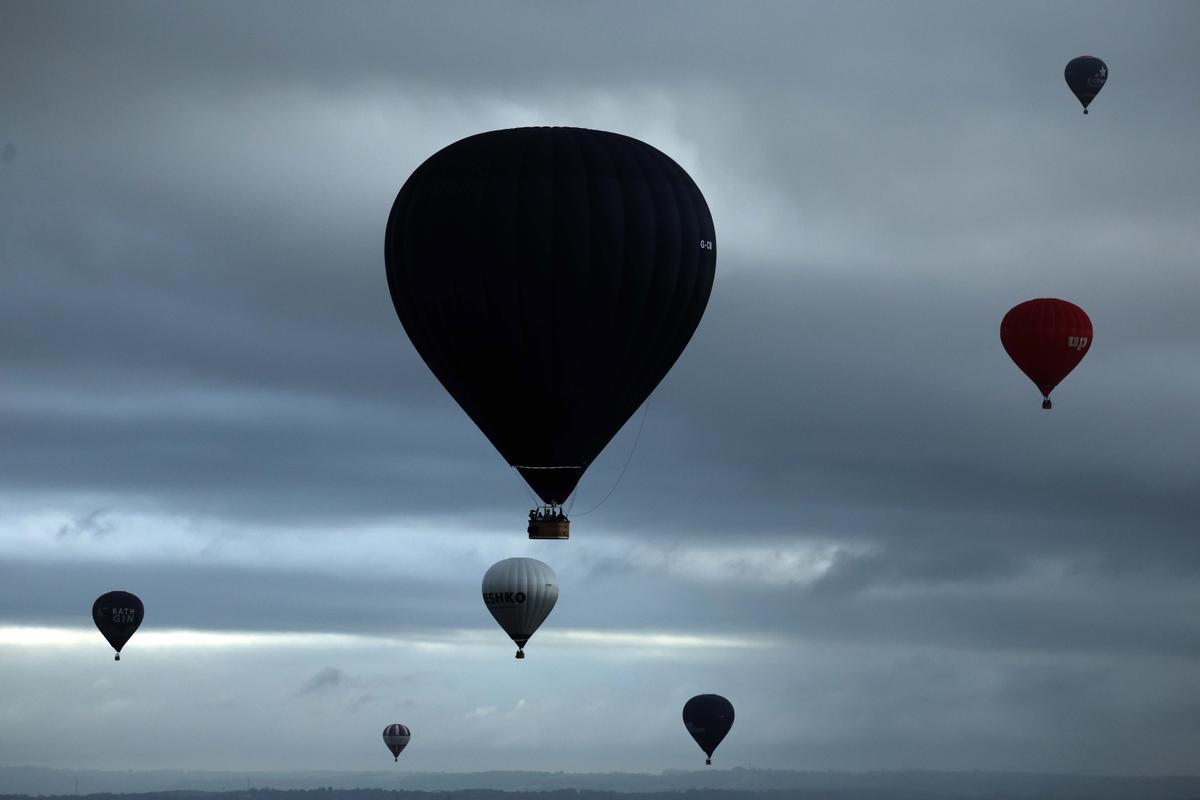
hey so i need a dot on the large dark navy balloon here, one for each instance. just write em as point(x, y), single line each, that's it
point(708, 718)
point(117, 615)
point(1086, 76)
point(550, 277)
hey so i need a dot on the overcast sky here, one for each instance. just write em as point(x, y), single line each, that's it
point(846, 512)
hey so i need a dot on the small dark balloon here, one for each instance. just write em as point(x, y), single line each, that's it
point(708, 717)
point(1086, 76)
point(1047, 338)
point(117, 615)
point(396, 737)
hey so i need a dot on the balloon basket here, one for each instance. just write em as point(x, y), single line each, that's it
point(708, 762)
point(117, 657)
point(550, 528)
point(520, 654)
point(1046, 404)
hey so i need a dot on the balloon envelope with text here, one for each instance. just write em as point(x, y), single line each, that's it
point(520, 593)
point(708, 718)
point(1086, 76)
point(1046, 338)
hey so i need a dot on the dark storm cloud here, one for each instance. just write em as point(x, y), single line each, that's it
point(194, 339)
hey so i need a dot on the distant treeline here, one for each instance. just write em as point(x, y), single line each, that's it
point(1183, 788)
point(23, 783)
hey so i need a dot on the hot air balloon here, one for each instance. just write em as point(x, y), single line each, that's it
point(520, 593)
point(396, 737)
point(1046, 338)
point(1086, 76)
point(550, 277)
point(708, 718)
point(117, 615)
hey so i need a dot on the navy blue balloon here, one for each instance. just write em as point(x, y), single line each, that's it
point(117, 615)
point(1086, 76)
point(708, 718)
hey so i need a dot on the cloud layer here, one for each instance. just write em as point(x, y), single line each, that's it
point(845, 510)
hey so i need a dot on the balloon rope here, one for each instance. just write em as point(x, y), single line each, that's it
point(632, 450)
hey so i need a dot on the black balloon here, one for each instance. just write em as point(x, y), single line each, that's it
point(708, 718)
point(1086, 76)
point(550, 277)
point(117, 615)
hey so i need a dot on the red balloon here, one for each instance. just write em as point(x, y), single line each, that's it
point(1046, 338)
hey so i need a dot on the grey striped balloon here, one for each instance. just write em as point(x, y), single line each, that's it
point(396, 737)
point(520, 593)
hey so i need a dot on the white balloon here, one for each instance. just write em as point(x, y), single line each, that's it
point(520, 593)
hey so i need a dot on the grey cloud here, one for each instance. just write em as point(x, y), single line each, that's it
point(968, 565)
point(90, 524)
point(325, 678)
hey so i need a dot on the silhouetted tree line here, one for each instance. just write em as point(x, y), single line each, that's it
point(1102, 789)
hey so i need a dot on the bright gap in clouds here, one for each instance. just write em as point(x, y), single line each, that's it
point(629, 642)
point(92, 530)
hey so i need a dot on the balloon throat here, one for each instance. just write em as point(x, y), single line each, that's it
point(548, 522)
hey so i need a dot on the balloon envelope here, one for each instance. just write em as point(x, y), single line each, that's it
point(1046, 338)
point(520, 593)
point(396, 737)
point(1086, 76)
point(708, 717)
point(550, 277)
point(117, 615)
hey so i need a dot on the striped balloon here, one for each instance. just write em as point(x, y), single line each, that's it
point(520, 593)
point(396, 737)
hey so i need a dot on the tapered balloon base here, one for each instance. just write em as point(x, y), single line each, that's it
point(1046, 404)
point(520, 654)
